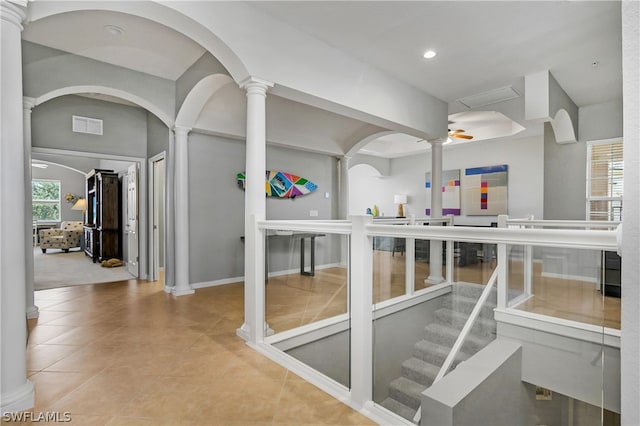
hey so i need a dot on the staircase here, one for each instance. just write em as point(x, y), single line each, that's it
point(419, 371)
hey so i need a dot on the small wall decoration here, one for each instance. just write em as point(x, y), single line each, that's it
point(485, 190)
point(450, 192)
point(282, 184)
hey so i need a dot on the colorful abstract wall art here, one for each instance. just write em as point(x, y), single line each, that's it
point(450, 192)
point(484, 191)
point(282, 184)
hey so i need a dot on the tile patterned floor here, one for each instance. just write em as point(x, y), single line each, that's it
point(126, 353)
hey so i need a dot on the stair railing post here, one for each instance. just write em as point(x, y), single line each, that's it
point(361, 285)
point(450, 253)
point(502, 267)
point(528, 266)
point(410, 261)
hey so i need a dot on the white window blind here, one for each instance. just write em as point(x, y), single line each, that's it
point(605, 184)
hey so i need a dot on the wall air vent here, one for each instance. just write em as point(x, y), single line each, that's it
point(489, 97)
point(92, 126)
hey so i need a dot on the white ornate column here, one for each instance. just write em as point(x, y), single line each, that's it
point(32, 309)
point(343, 185)
point(169, 221)
point(435, 247)
point(181, 197)
point(254, 208)
point(16, 391)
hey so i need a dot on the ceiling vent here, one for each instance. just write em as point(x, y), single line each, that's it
point(489, 97)
point(92, 126)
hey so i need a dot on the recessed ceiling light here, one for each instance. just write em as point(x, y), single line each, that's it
point(114, 30)
point(430, 54)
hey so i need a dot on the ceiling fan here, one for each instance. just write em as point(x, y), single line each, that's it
point(459, 134)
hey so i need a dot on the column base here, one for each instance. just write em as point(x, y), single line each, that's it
point(168, 289)
point(244, 331)
point(433, 280)
point(182, 291)
point(19, 399)
point(33, 312)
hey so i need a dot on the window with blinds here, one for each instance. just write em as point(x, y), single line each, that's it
point(605, 182)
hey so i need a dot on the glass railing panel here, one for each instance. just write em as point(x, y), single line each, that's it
point(576, 284)
point(306, 278)
point(473, 262)
point(518, 268)
point(306, 295)
point(389, 268)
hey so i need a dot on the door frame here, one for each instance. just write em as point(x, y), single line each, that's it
point(154, 246)
point(142, 200)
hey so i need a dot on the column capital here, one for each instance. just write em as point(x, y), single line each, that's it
point(14, 12)
point(181, 130)
point(28, 103)
point(438, 141)
point(255, 85)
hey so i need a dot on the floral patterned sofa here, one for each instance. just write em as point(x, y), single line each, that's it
point(68, 236)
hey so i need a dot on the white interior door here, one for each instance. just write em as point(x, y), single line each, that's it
point(131, 227)
point(157, 203)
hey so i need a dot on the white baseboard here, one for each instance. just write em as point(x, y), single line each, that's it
point(240, 279)
point(569, 277)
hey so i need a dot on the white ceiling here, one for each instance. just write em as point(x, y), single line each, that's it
point(143, 46)
point(481, 46)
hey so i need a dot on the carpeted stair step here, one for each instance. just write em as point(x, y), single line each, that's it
point(457, 320)
point(436, 354)
point(447, 336)
point(471, 290)
point(419, 371)
point(407, 392)
point(466, 304)
point(399, 408)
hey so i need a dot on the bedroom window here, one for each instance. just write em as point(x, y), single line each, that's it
point(46, 200)
point(605, 183)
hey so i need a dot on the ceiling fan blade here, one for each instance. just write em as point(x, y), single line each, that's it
point(460, 136)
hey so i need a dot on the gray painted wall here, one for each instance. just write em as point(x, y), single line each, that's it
point(216, 216)
point(125, 127)
point(70, 182)
point(565, 172)
point(601, 121)
point(565, 176)
point(216, 208)
point(157, 136)
point(394, 337)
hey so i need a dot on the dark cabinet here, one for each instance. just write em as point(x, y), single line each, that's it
point(612, 265)
point(102, 230)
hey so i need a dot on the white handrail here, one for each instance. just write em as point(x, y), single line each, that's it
point(584, 224)
point(574, 238)
point(463, 333)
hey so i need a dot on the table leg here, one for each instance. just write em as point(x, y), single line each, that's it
point(312, 269)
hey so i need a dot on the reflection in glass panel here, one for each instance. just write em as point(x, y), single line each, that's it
point(389, 268)
point(576, 284)
point(308, 286)
point(307, 278)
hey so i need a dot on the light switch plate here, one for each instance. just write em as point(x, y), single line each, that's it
point(313, 213)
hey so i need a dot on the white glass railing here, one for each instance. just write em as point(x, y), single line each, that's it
point(356, 248)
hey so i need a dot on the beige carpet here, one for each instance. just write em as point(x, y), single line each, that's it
point(58, 269)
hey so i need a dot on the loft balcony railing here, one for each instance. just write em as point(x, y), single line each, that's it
point(356, 300)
